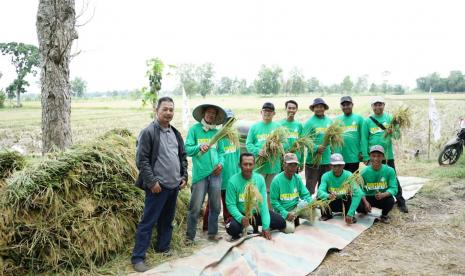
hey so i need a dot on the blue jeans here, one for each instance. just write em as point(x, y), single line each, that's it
point(211, 185)
point(159, 210)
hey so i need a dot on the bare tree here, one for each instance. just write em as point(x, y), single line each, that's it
point(56, 20)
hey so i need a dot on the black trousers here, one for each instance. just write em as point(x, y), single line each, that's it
point(336, 206)
point(234, 228)
point(351, 167)
point(384, 204)
point(313, 175)
point(400, 199)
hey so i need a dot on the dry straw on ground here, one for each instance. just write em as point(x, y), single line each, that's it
point(74, 210)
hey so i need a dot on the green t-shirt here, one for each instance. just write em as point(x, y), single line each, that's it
point(235, 197)
point(295, 131)
point(256, 139)
point(285, 193)
point(382, 180)
point(331, 183)
point(202, 164)
point(317, 127)
point(374, 135)
point(231, 161)
point(352, 136)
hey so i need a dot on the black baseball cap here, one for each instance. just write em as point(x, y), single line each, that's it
point(346, 99)
point(268, 105)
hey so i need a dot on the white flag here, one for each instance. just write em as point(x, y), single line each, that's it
point(434, 118)
point(185, 110)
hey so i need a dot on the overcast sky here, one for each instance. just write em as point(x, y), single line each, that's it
point(325, 39)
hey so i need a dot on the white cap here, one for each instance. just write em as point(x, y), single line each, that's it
point(336, 159)
point(377, 99)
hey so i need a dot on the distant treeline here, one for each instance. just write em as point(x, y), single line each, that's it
point(454, 83)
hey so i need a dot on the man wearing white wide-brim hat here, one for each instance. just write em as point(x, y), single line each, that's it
point(207, 164)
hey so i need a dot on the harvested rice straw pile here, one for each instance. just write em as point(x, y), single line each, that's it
point(309, 211)
point(252, 198)
point(9, 162)
point(402, 118)
point(333, 138)
point(273, 148)
point(74, 210)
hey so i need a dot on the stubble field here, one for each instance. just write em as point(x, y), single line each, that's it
point(428, 240)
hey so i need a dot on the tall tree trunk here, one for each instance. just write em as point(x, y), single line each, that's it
point(56, 32)
point(18, 98)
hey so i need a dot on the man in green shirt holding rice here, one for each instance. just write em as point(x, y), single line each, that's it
point(235, 202)
point(256, 139)
point(316, 126)
point(352, 124)
point(231, 167)
point(373, 133)
point(380, 184)
point(287, 189)
point(344, 198)
point(207, 165)
point(294, 128)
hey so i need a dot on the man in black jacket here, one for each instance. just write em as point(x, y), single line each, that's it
point(162, 163)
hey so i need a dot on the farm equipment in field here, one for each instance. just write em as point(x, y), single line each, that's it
point(454, 148)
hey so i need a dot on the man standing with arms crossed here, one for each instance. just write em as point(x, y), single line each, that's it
point(162, 165)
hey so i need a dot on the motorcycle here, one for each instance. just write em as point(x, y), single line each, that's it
point(454, 148)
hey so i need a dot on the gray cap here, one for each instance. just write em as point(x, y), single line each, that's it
point(377, 99)
point(346, 99)
point(336, 159)
point(377, 148)
point(290, 158)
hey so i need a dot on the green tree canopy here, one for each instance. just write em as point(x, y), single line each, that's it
point(78, 87)
point(268, 81)
point(26, 59)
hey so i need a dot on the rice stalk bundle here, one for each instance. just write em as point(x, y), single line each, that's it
point(273, 148)
point(227, 131)
point(352, 182)
point(402, 118)
point(75, 209)
point(333, 138)
point(9, 162)
point(309, 211)
point(252, 199)
point(303, 142)
point(349, 185)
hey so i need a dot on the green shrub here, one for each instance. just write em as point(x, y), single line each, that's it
point(2, 98)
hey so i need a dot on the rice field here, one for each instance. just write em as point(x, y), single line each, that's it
point(91, 118)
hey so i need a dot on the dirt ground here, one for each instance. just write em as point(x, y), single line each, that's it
point(429, 240)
